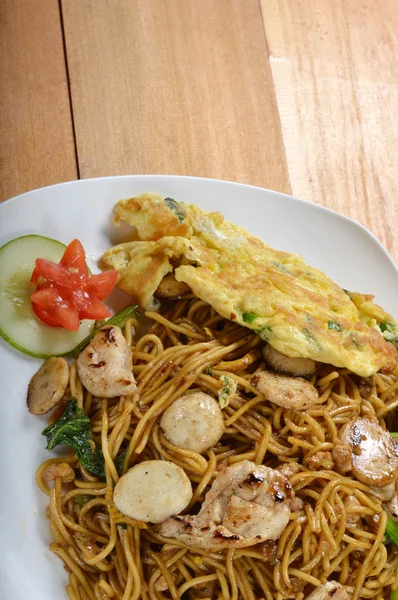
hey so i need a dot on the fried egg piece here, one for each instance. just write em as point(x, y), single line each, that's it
point(296, 308)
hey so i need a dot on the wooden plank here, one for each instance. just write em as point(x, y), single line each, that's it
point(176, 86)
point(36, 138)
point(336, 77)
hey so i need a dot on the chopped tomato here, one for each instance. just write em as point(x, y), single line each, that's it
point(66, 293)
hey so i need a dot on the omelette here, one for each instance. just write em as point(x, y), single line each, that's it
point(294, 307)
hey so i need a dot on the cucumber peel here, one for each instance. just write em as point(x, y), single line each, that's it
point(18, 324)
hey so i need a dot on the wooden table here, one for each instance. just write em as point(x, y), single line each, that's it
point(300, 96)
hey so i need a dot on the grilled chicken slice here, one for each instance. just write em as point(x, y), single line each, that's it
point(332, 590)
point(299, 367)
point(105, 366)
point(391, 508)
point(194, 422)
point(245, 505)
point(369, 452)
point(295, 393)
point(47, 387)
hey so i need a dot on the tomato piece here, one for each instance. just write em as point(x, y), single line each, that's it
point(43, 315)
point(51, 307)
point(74, 259)
point(52, 272)
point(67, 316)
point(46, 297)
point(101, 285)
point(95, 310)
point(66, 293)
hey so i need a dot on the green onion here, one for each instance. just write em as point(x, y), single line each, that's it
point(118, 320)
point(82, 500)
point(249, 317)
point(334, 325)
point(391, 532)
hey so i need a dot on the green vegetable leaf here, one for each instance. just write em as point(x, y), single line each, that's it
point(394, 595)
point(264, 333)
point(388, 331)
point(280, 266)
point(394, 434)
point(391, 532)
point(83, 499)
point(119, 461)
point(334, 326)
point(118, 320)
point(176, 207)
point(249, 317)
point(73, 429)
point(227, 392)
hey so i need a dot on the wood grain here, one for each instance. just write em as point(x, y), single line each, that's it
point(336, 82)
point(36, 139)
point(176, 86)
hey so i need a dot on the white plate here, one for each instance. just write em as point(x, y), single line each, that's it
point(343, 249)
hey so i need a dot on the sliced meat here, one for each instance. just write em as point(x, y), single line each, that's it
point(298, 366)
point(48, 385)
point(352, 509)
point(62, 471)
point(391, 508)
point(105, 366)
point(290, 392)
point(153, 491)
point(289, 469)
point(172, 289)
point(245, 505)
point(320, 460)
point(342, 458)
point(374, 453)
point(365, 386)
point(194, 422)
point(332, 590)
point(385, 493)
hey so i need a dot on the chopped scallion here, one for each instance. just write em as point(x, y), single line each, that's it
point(334, 325)
point(249, 317)
point(118, 320)
point(391, 532)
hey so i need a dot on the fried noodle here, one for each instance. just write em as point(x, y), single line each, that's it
point(110, 556)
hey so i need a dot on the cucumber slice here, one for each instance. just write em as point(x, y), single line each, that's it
point(18, 324)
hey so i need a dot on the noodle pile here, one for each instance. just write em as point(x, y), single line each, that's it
point(336, 531)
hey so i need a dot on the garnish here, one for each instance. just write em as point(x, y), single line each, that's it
point(391, 532)
point(176, 207)
point(66, 293)
point(249, 317)
point(227, 392)
point(119, 320)
point(334, 326)
point(19, 326)
point(73, 429)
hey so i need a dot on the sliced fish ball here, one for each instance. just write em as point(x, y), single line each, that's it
point(194, 422)
point(153, 491)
